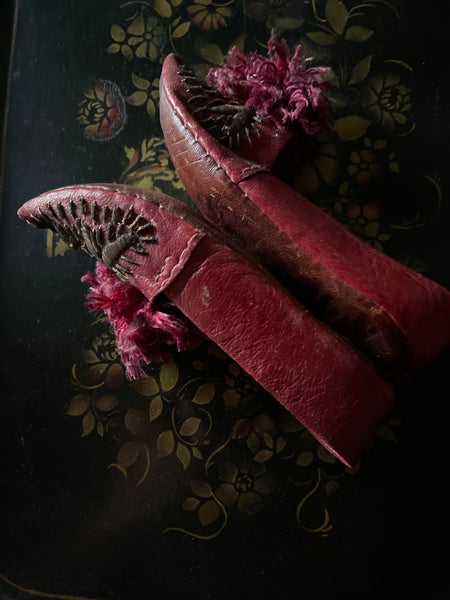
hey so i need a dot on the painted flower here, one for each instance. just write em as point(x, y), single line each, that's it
point(102, 365)
point(364, 166)
point(209, 14)
point(240, 385)
point(144, 38)
point(102, 111)
point(244, 486)
point(364, 220)
point(388, 101)
point(146, 93)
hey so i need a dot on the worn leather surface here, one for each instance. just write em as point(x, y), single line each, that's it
point(335, 392)
point(389, 311)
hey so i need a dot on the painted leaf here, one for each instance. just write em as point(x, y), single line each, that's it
point(325, 456)
point(140, 82)
point(190, 503)
point(163, 8)
point(181, 29)
point(190, 426)
point(268, 439)
point(263, 423)
point(89, 357)
point(327, 167)
point(147, 386)
point(204, 394)
point(358, 34)
point(100, 429)
point(263, 456)
point(128, 454)
point(88, 424)
point(155, 408)
point(95, 373)
point(208, 512)
point(287, 23)
point(196, 453)
point(253, 442)
point(113, 48)
point(305, 458)
point(322, 39)
point(168, 376)
point(135, 421)
point(210, 52)
point(115, 376)
point(183, 455)
point(387, 433)
point(281, 444)
point(117, 33)
point(361, 70)
point(127, 52)
point(201, 488)
point(78, 405)
point(241, 429)
point(336, 15)
point(151, 109)
point(137, 98)
point(106, 402)
point(351, 128)
point(165, 443)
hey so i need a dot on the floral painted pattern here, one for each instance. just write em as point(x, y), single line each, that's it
point(227, 448)
point(208, 14)
point(102, 112)
point(143, 38)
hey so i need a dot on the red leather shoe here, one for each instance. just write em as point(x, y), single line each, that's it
point(164, 248)
point(397, 317)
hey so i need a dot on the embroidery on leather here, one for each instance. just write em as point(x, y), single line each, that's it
point(104, 233)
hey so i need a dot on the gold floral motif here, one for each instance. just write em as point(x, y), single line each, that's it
point(102, 111)
point(149, 166)
point(101, 365)
point(341, 22)
point(364, 220)
point(239, 386)
point(146, 93)
point(143, 38)
point(245, 486)
point(201, 414)
point(209, 14)
point(387, 101)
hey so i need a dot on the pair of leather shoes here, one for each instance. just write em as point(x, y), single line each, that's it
point(210, 268)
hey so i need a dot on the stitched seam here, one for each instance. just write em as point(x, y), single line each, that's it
point(192, 243)
point(244, 171)
point(179, 115)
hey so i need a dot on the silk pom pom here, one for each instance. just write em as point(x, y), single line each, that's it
point(145, 330)
point(280, 88)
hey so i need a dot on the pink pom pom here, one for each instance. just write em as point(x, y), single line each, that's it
point(279, 87)
point(145, 330)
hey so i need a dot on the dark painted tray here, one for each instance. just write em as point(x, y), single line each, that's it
point(193, 481)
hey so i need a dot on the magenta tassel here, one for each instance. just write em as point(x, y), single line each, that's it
point(279, 87)
point(145, 330)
